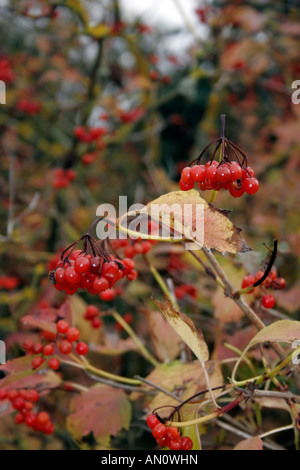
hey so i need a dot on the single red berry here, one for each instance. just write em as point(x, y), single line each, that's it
point(60, 276)
point(187, 443)
point(259, 275)
point(128, 264)
point(223, 174)
point(108, 295)
point(28, 345)
point(73, 334)
point(28, 406)
point(18, 403)
point(132, 275)
point(3, 394)
point(110, 270)
point(236, 192)
point(250, 185)
point(273, 274)
point(268, 301)
point(12, 394)
point(33, 395)
point(30, 419)
point(42, 418)
point(129, 251)
point(163, 441)
point(91, 312)
point(198, 173)
point(247, 173)
point(152, 421)
point(96, 323)
point(95, 264)
point(248, 280)
point(54, 363)
point(100, 284)
point(235, 170)
point(48, 350)
point(62, 327)
point(37, 348)
point(65, 347)
point(211, 173)
point(82, 349)
point(280, 283)
point(75, 254)
point(173, 433)
point(186, 176)
point(48, 428)
point(146, 247)
point(175, 444)
point(19, 418)
point(185, 186)
point(71, 276)
point(160, 430)
point(82, 265)
point(37, 362)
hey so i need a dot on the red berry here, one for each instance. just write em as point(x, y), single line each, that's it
point(96, 323)
point(42, 418)
point(65, 347)
point(110, 270)
point(62, 326)
point(73, 334)
point(211, 172)
point(75, 254)
point(60, 276)
point(185, 187)
point(160, 430)
point(273, 274)
point(48, 350)
point(187, 443)
point(108, 295)
point(175, 444)
point(28, 345)
point(12, 394)
point(3, 394)
point(71, 276)
point(173, 433)
point(19, 418)
point(33, 395)
point(18, 403)
point(30, 419)
point(82, 349)
point(48, 428)
point(132, 275)
point(268, 301)
point(248, 280)
point(37, 348)
point(198, 173)
point(236, 192)
point(82, 265)
point(37, 362)
point(247, 173)
point(280, 283)
point(91, 312)
point(186, 176)
point(235, 171)
point(128, 264)
point(95, 265)
point(54, 363)
point(100, 284)
point(223, 174)
point(250, 185)
point(152, 421)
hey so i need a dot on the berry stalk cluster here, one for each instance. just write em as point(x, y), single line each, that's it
point(168, 436)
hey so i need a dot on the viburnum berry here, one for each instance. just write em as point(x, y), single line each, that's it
point(65, 347)
point(96, 323)
point(42, 418)
point(101, 284)
point(18, 403)
point(248, 281)
point(37, 362)
point(73, 334)
point(268, 301)
point(19, 418)
point(173, 433)
point(62, 326)
point(187, 443)
point(37, 348)
point(33, 395)
point(152, 421)
point(198, 173)
point(82, 265)
point(48, 350)
point(175, 444)
point(91, 312)
point(160, 430)
point(54, 363)
point(82, 349)
point(250, 185)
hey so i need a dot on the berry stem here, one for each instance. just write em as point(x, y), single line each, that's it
point(136, 339)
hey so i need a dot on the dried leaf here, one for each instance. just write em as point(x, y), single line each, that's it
point(188, 214)
point(253, 443)
point(102, 410)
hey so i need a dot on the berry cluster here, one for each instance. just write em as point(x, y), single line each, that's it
point(184, 290)
point(131, 248)
point(29, 107)
point(9, 282)
point(88, 158)
point(89, 135)
point(6, 71)
point(24, 401)
point(95, 273)
point(273, 281)
point(65, 339)
point(92, 314)
point(225, 175)
point(62, 178)
point(168, 436)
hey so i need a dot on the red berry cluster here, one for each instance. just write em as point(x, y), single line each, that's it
point(6, 71)
point(96, 274)
point(225, 175)
point(9, 282)
point(62, 178)
point(29, 107)
point(64, 339)
point(168, 436)
point(89, 135)
point(273, 281)
point(23, 401)
point(92, 314)
point(184, 290)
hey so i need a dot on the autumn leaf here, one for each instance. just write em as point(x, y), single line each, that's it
point(185, 328)
point(194, 219)
point(102, 410)
point(253, 443)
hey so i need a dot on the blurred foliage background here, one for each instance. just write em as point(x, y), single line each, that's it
point(74, 65)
